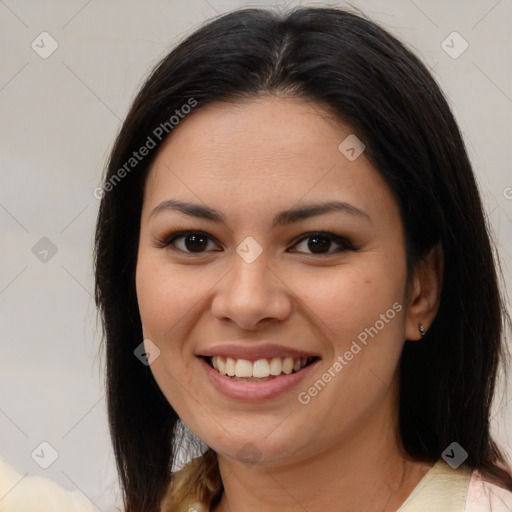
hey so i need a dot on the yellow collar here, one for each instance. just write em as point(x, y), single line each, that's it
point(442, 489)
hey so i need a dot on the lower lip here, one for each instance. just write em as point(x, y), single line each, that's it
point(255, 391)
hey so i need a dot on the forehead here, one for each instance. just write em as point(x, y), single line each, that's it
point(258, 152)
point(284, 129)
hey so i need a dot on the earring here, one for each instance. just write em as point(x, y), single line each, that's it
point(422, 330)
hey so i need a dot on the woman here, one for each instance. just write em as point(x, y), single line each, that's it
point(292, 260)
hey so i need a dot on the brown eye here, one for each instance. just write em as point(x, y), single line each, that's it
point(195, 242)
point(187, 241)
point(320, 243)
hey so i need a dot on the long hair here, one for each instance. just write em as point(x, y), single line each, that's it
point(368, 79)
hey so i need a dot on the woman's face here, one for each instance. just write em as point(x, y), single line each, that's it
point(260, 288)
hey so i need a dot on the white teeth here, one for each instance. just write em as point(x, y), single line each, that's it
point(230, 366)
point(261, 369)
point(276, 366)
point(287, 365)
point(220, 364)
point(243, 368)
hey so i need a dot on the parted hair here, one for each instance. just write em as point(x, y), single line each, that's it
point(364, 76)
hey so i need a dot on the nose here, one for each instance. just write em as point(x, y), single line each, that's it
point(251, 293)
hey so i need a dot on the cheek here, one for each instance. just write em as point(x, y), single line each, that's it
point(165, 295)
point(167, 299)
point(360, 313)
point(345, 301)
point(171, 301)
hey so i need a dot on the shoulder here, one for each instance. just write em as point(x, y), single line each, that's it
point(485, 496)
point(448, 489)
point(37, 493)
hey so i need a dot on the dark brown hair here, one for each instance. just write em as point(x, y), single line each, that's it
point(374, 84)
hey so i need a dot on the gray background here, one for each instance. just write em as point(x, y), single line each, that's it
point(59, 118)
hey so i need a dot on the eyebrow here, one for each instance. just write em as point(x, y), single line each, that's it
point(285, 217)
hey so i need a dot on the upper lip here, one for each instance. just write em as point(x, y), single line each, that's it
point(255, 352)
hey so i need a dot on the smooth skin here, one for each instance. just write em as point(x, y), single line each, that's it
point(250, 161)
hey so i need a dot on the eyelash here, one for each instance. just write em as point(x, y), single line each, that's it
point(344, 244)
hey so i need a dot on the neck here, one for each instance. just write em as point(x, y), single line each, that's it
point(366, 470)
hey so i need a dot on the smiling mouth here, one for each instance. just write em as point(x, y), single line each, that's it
point(260, 370)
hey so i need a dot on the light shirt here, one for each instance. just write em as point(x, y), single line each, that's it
point(35, 493)
point(444, 489)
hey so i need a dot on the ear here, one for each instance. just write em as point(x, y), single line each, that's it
point(425, 293)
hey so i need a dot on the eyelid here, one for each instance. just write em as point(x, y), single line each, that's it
point(167, 240)
point(343, 243)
